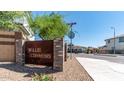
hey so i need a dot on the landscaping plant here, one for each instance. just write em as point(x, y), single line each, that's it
point(42, 77)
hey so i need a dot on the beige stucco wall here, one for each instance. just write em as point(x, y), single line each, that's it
point(7, 39)
point(7, 33)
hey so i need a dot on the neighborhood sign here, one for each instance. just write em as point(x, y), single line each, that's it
point(39, 52)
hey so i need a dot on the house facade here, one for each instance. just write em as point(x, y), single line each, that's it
point(102, 49)
point(119, 45)
point(76, 49)
point(26, 30)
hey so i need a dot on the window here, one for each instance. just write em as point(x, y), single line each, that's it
point(121, 39)
point(108, 41)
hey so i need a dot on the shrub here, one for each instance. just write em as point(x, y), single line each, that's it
point(42, 77)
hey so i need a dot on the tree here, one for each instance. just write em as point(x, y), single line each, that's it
point(7, 20)
point(50, 26)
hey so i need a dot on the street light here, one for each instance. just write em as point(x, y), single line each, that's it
point(114, 38)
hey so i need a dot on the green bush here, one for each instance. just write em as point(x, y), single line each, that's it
point(42, 77)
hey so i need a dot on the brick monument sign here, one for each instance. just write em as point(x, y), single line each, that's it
point(45, 52)
point(39, 52)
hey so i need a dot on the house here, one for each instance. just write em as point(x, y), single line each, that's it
point(102, 49)
point(92, 50)
point(76, 49)
point(119, 44)
point(26, 30)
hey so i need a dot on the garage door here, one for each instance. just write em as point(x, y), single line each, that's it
point(7, 53)
point(7, 46)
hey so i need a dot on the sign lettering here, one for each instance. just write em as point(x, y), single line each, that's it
point(33, 55)
point(39, 52)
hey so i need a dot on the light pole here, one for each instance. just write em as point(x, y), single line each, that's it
point(114, 38)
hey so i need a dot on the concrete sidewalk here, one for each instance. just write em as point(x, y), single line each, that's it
point(102, 70)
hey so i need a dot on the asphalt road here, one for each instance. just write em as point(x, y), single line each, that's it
point(116, 59)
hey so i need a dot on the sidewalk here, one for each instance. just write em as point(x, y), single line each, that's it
point(101, 70)
point(110, 55)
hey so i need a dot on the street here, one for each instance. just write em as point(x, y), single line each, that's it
point(102, 68)
point(115, 59)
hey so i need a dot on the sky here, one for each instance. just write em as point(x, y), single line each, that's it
point(92, 27)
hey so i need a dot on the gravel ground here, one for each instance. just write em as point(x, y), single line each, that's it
point(72, 71)
point(15, 72)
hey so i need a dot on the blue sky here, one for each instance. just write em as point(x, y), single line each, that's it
point(92, 27)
